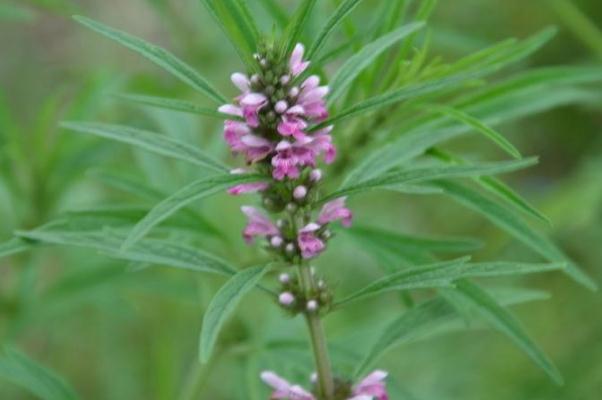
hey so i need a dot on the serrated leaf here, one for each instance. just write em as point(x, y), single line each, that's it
point(109, 242)
point(159, 144)
point(223, 304)
point(439, 274)
point(481, 128)
point(21, 370)
point(427, 318)
point(193, 192)
point(13, 246)
point(172, 104)
point(390, 179)
point(360, 61)
point(514, 225)
point(297, 23)
point(505, 322)
point(344, 9)
point(159, 56)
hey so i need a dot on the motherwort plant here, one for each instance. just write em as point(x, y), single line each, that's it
point(284, 124)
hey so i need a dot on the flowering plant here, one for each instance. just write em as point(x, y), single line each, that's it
point(289, 123)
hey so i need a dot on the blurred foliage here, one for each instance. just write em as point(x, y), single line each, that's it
point(118, 330)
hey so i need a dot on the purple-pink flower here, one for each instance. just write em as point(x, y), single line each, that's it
point(258, 225)
point(371, 387)
point(296, 64)
point(335, 210)
point(310, 244)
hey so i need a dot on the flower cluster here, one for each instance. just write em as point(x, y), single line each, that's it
point(372, 387)
point(273, 126)
point(297, 300)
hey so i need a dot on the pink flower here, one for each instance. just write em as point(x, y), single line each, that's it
point(259, 225)
point(283, 390)
point(311, 98)
point(241, 140)
point(285, 162)
point(322, 143)
point(335, 210)
point(373, 386)
point(251, 104)
point(292, 124)
point(309, 243)
point(296, 63)
point(245, 188)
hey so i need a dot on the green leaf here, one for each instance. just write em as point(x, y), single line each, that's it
point(159, 56)
point(408, 92)
point(109, 242)
point(13, 246)
point(172, 104)
point(276, 11)
point(480, 127)
point(223, 304)
point(297, 23)
point(344, 9)
point(429, 317)
point(21, 370)
point(390, 179)
point(12, 12)
point(159, 144)
point(514, 225)
point(360, 61)
point(425, 276)
point(193, 192)
point(505, 322)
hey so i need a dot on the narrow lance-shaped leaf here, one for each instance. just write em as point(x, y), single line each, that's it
point(172, 104)
point(360, 61)
point(159, 144)
point(223, 304)
point(344, 9)
point(195, 191)
point(505, 322)
point(513, 224)
point(21, 370)
point(297, 23)
point(157, 55)
point(481, 128)
point(13, 246)
point(391, 179)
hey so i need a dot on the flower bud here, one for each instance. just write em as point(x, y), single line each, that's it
point(286, 298)
point(294, 92)
point(255, 79)
point(312, 305)
point(280, 223)
point(290, 248)
point(281, 106)
point(321, 284)
point(276, 241)
point(327, 234)
point(284, 278)
point(263, 62)
point(285, 79)
point(291, 207)
point(300, 192)
point(315, 175)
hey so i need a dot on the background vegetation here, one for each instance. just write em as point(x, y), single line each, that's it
point(126, 331)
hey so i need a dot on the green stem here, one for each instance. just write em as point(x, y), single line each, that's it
point(318, 340)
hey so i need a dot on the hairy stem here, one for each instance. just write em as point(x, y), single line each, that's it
point(318, 340)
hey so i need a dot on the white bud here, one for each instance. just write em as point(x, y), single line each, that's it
point(276, 241)
point(315, 175)
point(255, 78)
point(291, 207)
point(312, 270)
point(281, 107)
point(284, 278)
point(321, 284)
point(286, 298)
point(312, 305)
point(284, 79)
point(327, 234)
point(263, 62)
point(280, 223)
point(294, 92)
point(300, 192)
point(290, 248)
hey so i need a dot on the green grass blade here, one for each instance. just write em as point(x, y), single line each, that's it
point(360, 61)
point(159, 144)
point(193, 192)
point(440, 274)
point(276, 11)
point(19, 369)
point(172, 104)
point(159, 56)
point(480, 127)
point(342, 11)
point(390, 179)
point(514, 225)
point(223, 304)
point(109, 242)
point(505, 322)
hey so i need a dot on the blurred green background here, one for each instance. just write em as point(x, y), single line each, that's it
point(118, 331)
